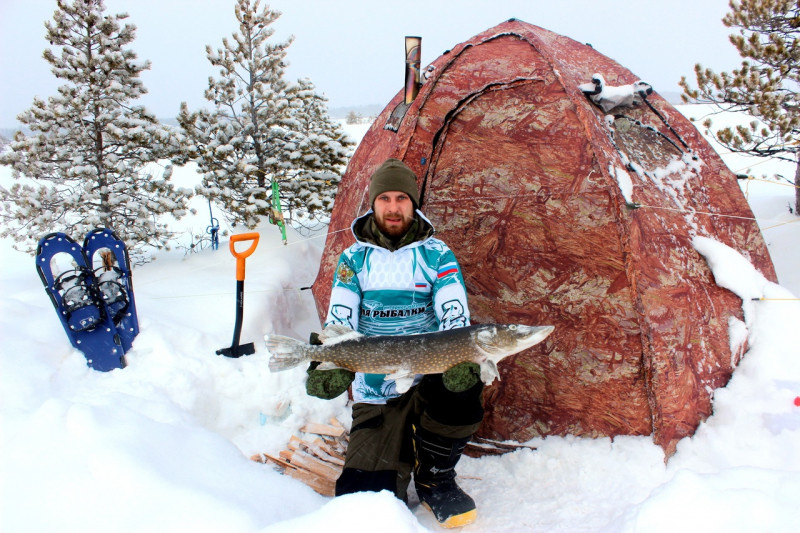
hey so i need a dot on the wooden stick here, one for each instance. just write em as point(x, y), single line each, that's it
point(309, 462)
point(264, 457)
point(504, 445)
point(323, 486)
point(286, 455)
point(316, 461)
point(294, 443)
point(259, 458)
point(338, 444)
point(325, 456)
point(323, 429)
point(321, 448)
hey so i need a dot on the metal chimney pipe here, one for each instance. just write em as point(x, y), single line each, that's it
point(413, 57)
point(411, 88)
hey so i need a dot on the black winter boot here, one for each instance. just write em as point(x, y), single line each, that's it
point(435, 459)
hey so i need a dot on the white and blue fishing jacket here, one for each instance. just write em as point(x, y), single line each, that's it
point(417, 288)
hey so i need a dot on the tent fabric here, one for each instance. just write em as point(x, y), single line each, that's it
point(563, 214)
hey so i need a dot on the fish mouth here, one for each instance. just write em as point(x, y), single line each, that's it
point(504, 340)
point(530, 335)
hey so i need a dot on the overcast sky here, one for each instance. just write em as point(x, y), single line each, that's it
point(352, 50)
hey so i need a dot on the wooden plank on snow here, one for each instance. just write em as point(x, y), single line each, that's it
point(321, 485)
point(323, 429)
point(313, 464)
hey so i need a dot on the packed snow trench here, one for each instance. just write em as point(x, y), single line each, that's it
point(164, 444)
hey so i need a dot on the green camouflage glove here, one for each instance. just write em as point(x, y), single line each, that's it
point(461, 377)
point(326, 384)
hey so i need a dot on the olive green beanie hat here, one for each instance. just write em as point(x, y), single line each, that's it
point(393, 175)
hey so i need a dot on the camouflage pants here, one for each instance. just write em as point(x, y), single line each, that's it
point(380, 453)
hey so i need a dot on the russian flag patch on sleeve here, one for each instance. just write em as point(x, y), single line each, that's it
point(446, 270)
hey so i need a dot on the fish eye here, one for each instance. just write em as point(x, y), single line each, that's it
point(512, 327)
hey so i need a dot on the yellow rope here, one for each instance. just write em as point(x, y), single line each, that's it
point(218, 294)
point(695, 212)
point(497, 197)
point(781, 224)
point(716, 215)
point(751, 178)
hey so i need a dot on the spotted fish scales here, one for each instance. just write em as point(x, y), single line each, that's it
point(402, 357)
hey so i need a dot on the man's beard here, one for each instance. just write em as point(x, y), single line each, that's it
point(394, 231)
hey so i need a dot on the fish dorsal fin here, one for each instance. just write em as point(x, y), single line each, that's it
point(483, 338)
point(334, 333)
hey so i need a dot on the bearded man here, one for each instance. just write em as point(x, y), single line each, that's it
point(397, 279)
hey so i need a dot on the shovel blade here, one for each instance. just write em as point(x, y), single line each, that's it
point(238, 351)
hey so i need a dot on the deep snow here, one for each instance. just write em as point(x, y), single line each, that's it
point(163, 445)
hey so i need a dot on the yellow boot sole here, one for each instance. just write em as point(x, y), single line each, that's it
point(458, 520)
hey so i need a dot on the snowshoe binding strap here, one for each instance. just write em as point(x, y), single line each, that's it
point(115, 297)
point(111, 287)
point(82, 309)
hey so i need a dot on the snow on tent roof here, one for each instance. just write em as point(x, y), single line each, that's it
point(536, 190)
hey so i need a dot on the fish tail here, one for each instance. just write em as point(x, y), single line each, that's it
point(286, 352)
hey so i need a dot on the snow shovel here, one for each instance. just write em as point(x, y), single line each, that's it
point(237, 350)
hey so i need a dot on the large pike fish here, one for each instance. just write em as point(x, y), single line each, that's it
point(402, 357)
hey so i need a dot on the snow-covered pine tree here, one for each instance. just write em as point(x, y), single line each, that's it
point(320, 151)
point(256, 131)
point(91, 157)
point(766, 85)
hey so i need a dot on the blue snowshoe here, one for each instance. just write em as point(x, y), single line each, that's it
point(111, 266)
point(68, 280)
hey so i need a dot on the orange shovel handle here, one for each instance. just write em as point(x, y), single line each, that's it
point(240, 256)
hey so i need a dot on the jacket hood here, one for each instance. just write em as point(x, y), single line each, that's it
point(363, 231)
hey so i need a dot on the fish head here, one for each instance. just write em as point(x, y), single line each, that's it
point(501, 340)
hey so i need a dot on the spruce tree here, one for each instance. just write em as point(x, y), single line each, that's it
point(766, 85)
point(319, 153)
point(92, 157)
point(258, 132)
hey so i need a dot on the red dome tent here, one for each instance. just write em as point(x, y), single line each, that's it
point(562, 214)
